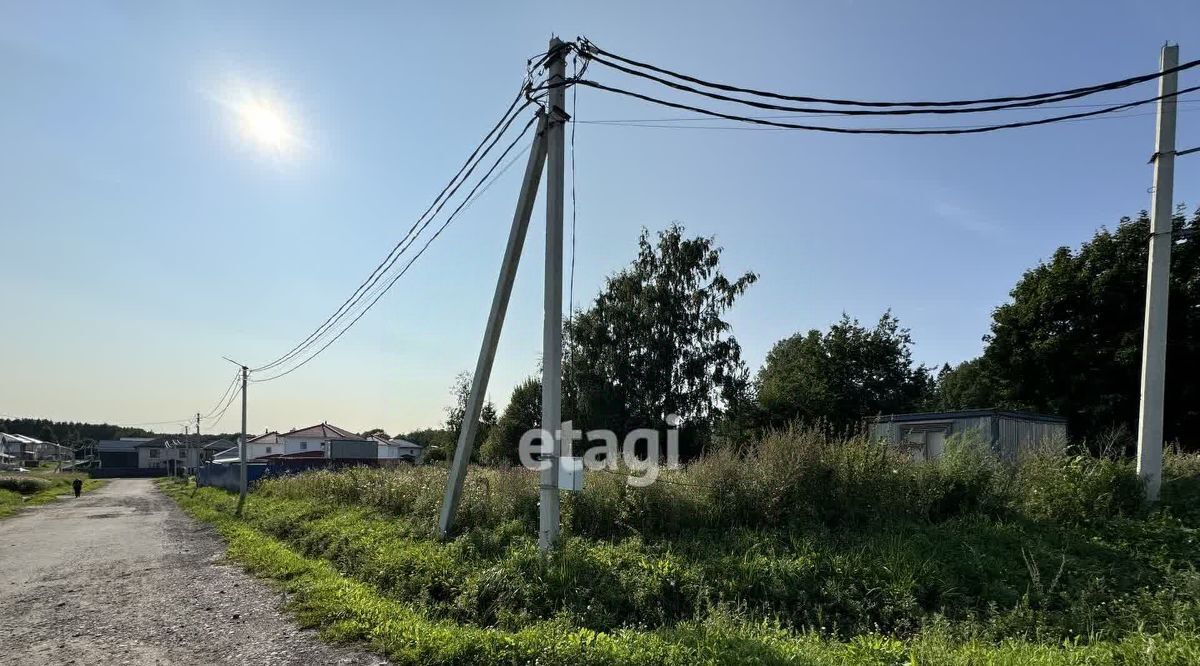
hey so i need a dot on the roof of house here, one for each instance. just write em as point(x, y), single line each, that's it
point(316, 453)
point(405, 443)
point(321, 431)
point(267, 438)
point(966, 414)
point(171, 442)
point(24, 439)
point(114, 445)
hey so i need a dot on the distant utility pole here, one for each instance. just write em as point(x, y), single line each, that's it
point(1158, 283)
point(548, 508)
point(242, 441)
point(197, 453)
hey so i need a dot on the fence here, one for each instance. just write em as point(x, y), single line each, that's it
point(229, 476)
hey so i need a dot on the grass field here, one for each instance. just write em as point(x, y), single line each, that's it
point(795, 550)
point(22, 489)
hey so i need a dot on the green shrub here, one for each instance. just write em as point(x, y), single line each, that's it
point(25, 485)
point(1076, 489)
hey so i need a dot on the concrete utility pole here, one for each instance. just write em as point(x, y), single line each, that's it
point(198, 451)
point(491, 335)
point(548, 507)
point(1158, 283)
point(548, 149)
point(242, 446)
point(242, 439)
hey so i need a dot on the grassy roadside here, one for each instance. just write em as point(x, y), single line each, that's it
point(39, 487)
point(332, 588)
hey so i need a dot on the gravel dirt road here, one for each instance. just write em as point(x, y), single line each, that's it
point(123, 576)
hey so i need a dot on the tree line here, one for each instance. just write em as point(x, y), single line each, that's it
point(655, 341)
point(69, 433)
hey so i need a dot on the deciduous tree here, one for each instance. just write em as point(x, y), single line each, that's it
point(655, 342)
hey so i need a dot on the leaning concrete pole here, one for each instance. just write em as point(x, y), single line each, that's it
point(548, 507)
point(1158, 284)
point(491, 334)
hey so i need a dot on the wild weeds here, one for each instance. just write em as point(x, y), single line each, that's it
point(840, 537)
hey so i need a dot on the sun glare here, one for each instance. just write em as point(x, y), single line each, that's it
point(264, 124)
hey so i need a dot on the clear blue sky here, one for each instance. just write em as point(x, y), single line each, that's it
point(144, 237)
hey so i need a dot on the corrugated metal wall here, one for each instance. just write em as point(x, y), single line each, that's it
point(1020, 436)
point(1007, 435)
point(353, 449)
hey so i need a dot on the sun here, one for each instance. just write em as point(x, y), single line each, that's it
point(264, 123)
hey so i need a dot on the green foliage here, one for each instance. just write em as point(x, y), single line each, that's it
point(523, 413)
point(1078, 488)
point(654, 343)
point(460, 394)
point(968, 385)
point(1069, 342)
point(439, 443)
point(25, 485)
point(946, 562)
point(844, 375)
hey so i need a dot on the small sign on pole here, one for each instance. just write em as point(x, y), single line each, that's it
point(570, 474)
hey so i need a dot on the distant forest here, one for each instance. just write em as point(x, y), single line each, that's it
point(74, 434)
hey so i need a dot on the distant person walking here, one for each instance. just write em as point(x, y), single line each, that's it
point(77, 485)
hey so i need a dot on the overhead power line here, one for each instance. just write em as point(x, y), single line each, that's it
point(232, 397)
point(221, 401)
point(786, 116)
point(666, 123)
point(589, 48)
point(878, 130)
point(388, 285)
point(490, 139)
point(865, 112)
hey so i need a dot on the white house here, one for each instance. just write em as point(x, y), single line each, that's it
point(256, 447)
point(160, 453)
point(303, 440)
point(399, 450)
point(30, 448)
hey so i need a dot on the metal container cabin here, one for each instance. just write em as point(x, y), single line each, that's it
point(1009, 433)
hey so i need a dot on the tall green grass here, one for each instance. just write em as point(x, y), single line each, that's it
point(790, 479)
point(844, 545)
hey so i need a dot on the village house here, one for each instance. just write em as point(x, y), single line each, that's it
point(30, 449)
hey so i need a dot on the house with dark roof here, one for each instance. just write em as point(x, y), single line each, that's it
point(119, 452)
